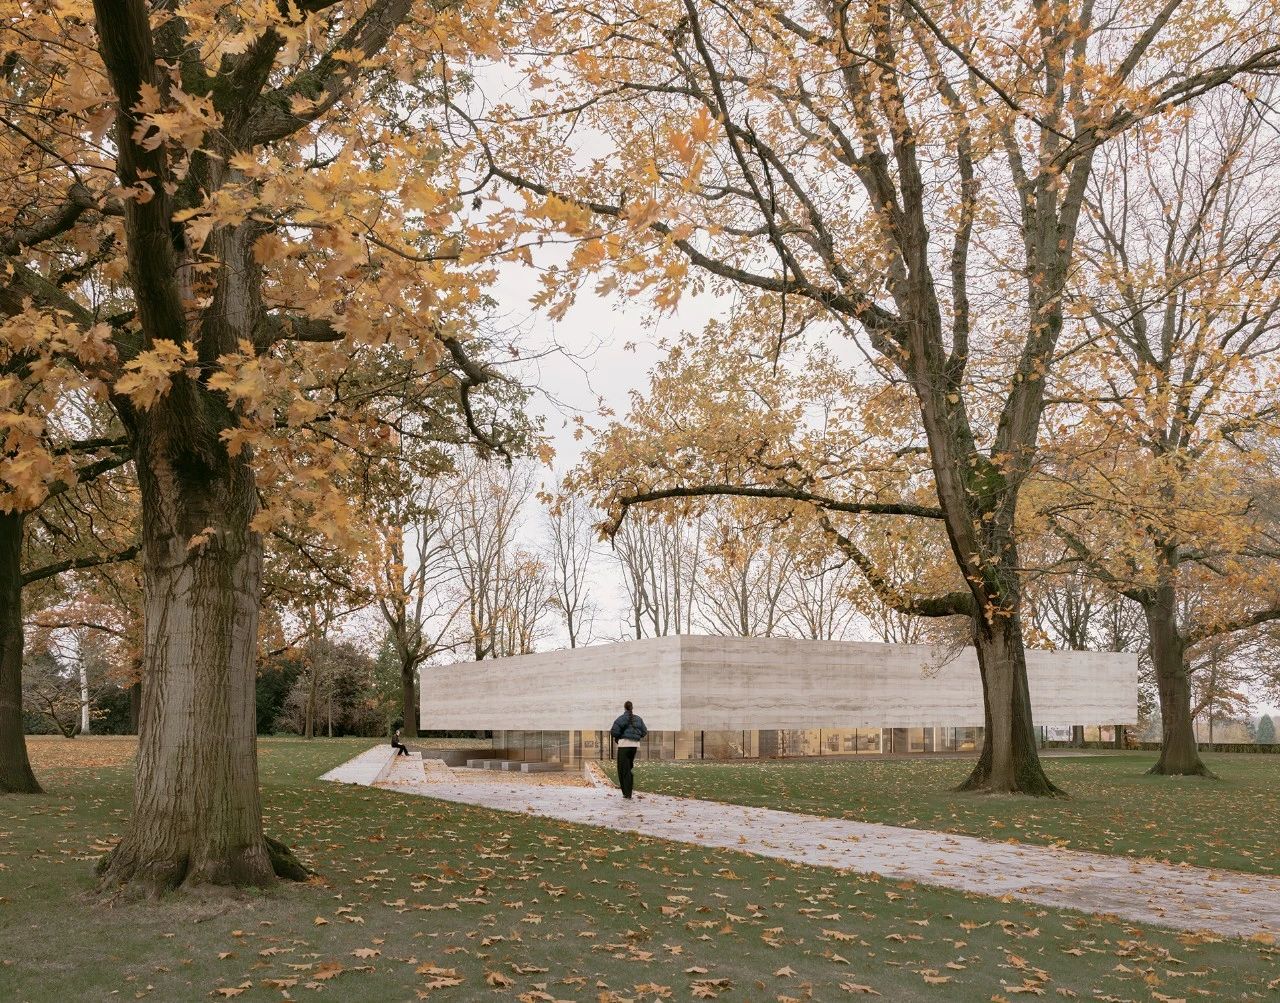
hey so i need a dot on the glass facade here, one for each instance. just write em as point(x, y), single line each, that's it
point(575, 746)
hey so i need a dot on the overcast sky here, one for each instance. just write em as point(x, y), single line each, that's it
point(594, 363)
point(600, 351)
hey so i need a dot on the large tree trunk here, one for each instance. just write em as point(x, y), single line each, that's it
point(1077, 736)
point(197, 818)
point(979, 503)
point(1179, 755)
point(979, 510)
point(16, 776)
point(1009, 763)
point(410, 705)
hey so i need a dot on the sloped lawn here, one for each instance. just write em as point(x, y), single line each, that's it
point(421, 899)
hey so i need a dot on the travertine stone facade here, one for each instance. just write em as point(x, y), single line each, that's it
point(715, 683)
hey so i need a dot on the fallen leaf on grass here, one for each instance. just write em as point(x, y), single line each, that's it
point(439, 983)
point(427, 968)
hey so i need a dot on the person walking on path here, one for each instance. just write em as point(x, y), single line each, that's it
point(399, 746)
point(627, 732)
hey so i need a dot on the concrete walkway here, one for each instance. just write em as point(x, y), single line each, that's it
point(1186, 898)
point(367, 768)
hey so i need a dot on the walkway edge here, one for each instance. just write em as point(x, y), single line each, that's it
point(1193, 899)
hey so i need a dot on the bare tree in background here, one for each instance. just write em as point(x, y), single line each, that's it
point(570, 550)
point(1074, 611)
point(659, 559)
point(741, 586)
point(819, 603)
point(482, 512)
point(418, 595)
point(524, 595)
point(51, 689)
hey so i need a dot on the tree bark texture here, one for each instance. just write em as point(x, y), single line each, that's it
point(135, 705)
point(197, 818)
point(16, 776)
point(1179, 753)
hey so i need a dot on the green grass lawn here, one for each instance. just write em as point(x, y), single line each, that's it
point(1113, 806)
point(422, 899)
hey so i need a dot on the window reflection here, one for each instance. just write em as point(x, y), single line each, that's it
point(572, 747)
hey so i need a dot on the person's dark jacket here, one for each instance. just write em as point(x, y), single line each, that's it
point(629, 726)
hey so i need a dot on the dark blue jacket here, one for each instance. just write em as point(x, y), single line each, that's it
point(630, 726)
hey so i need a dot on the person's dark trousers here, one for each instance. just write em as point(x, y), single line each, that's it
point(400, 749)
point(626, 770)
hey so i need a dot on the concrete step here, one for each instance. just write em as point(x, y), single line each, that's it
point(541, 767)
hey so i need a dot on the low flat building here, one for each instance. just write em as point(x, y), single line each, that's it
point(730, 697)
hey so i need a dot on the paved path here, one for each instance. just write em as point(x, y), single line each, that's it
point(1183, 897)
point(367, 768)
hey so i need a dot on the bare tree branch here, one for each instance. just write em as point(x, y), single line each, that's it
point(784, 492)
point(78, 563)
